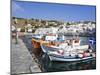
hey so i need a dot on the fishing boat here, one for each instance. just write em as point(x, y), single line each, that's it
point(69, 50)
point(39, 36)
point(36, 39)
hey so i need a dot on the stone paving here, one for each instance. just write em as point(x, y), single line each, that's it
point(21, 60)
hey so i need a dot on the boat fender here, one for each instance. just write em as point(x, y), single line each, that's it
point(88, 54)
point(80, 55)
point(73, 55)
point(76, 56)
point(70, 55)
point(90, 50)
point(60, 52)
point(84, 54)
point(94, 55)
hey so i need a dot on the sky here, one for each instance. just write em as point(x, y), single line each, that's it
point(53, 11)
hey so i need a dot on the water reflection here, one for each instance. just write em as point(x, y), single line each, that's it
point(68, 66)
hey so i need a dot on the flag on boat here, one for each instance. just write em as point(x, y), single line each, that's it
point(92, 41)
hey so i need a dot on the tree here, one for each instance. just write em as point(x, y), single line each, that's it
point(68, 23)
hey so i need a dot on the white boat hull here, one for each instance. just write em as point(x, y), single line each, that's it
point(53, 58)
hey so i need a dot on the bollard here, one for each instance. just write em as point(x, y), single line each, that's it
point(16, 37)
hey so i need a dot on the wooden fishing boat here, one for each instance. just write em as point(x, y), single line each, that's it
point(65, 51)
point(36, 40)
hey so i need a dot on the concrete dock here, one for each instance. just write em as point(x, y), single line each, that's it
point(21, 59)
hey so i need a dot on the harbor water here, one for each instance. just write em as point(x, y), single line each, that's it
point(49, 66)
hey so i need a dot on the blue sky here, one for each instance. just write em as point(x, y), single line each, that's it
point(52, 11)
